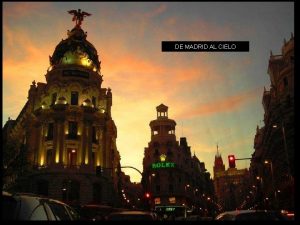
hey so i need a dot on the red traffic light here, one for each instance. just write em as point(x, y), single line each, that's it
point(231, 159)
point(147, 195)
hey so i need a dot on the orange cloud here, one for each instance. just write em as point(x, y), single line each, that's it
point(226, 104)
point(21, 9)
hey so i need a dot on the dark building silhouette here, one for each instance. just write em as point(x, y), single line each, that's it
point(273, 158)
point(230, 185)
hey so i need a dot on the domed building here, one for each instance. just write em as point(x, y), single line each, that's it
point(64, 139)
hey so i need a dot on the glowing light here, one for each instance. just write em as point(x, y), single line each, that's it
point(163, 157)
point(57, 157)
point(86, 161)
point(73, 151)
point(42, 160)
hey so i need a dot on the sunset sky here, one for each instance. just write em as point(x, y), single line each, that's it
point(214, 97)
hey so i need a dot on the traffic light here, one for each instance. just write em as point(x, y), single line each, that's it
point(231, 160)
point(147, 195)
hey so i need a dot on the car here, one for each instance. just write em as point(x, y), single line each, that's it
point(249, 215)
point(131, 215)
point(27, 206)
point(94, 212)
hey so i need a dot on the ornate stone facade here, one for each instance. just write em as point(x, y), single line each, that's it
point(172, 176)
point(65, 130)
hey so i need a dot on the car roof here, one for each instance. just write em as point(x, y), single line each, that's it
point(236, 212)
point(133, 212)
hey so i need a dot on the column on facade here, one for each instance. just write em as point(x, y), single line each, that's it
point(56, 141)
point(103, 147)
point(80, 159)
point(61, 140)
point(83, 143)
point(41, 143)
point(89, 145)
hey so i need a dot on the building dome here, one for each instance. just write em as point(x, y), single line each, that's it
point(76, 50)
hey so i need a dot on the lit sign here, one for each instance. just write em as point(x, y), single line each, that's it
point(170, 209)
point(159, 165)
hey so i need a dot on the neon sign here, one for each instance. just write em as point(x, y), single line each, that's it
point(159, 165)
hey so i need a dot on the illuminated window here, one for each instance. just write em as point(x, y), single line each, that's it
point(53, 99)
point(50, 132)
point(74, 98)
point(72, 156)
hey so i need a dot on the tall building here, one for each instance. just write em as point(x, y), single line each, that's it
point(65, 131)
point(230, 185)
point(273, 157)
point(173, 178)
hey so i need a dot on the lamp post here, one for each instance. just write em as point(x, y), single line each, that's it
point(272, 177)
point(285, 147)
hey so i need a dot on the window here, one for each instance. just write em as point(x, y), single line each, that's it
point(59, 211)
point(49, 157)
point(50, 132)
point(72, 130)
point(39, 213)
point(94, 139)
point(72, 157)
point(53, 99)
point(94, 101)
point(74, 98)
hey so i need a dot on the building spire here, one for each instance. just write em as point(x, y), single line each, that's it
point(218, 154)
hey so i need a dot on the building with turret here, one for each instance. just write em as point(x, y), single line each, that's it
point(65, 130)
point(230, 185)
point(174, 179)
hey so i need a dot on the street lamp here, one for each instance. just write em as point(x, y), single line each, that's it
point(285, 147)
point(272, 177)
